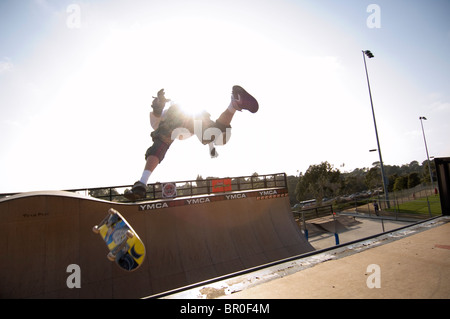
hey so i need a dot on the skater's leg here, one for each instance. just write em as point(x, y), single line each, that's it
point(150, 165)
point(154, 155)
point(240, 100)
point(152, 162)
point(227, 115)
point(223, 124)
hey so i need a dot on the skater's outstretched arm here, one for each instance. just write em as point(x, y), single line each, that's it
point(158, 104)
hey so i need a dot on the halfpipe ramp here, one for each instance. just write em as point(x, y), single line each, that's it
point(187, 240)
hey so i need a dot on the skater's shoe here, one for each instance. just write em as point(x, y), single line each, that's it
point(137, 191)
point(242, 100)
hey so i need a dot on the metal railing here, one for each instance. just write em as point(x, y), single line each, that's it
point(186, 188)
point(314, 212)
point(192, 187)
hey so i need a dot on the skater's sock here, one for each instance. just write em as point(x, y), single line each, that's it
point(145, 176)
point(233, 106)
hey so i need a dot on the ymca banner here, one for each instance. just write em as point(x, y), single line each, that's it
point(221, 185)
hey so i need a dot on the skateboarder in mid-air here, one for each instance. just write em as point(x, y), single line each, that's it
point(172, 123)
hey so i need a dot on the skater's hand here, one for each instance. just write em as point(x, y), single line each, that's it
point(161, 96)
point(159, 102)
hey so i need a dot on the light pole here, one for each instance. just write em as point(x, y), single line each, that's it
point(386, 195)
point(426, 147)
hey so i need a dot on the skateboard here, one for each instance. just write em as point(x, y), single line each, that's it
point(125, 246)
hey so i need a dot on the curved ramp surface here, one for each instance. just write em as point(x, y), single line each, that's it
point(187, 240)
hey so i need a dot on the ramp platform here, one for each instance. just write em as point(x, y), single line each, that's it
point(187, 239)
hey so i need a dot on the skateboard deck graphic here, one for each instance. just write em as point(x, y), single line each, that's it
point(125, 246)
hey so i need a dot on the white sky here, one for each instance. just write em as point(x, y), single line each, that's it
point(74, 102)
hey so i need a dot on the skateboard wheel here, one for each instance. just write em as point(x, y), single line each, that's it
point(130, 234)
point(95, 229)
point(111, 256)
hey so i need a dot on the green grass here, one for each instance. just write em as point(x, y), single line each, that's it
point(420, 206)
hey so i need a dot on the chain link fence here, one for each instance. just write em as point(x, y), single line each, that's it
point(420, 202)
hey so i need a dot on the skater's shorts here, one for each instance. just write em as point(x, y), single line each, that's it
point(176, 121)
point(158, 149)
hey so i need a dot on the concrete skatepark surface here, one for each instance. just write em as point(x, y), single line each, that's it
point(187, 240)
point(413, 263)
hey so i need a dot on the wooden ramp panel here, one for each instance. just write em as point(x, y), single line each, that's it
point(187, 241)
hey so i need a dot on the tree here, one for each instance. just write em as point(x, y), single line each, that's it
point(292, 184)
point(414, 166)
point(401, 183)
point(373, 178)
point(426, 171)
point(413, 180)
point(354, 181)
point(391, 180)
point(318, 182)
point(201, 185)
